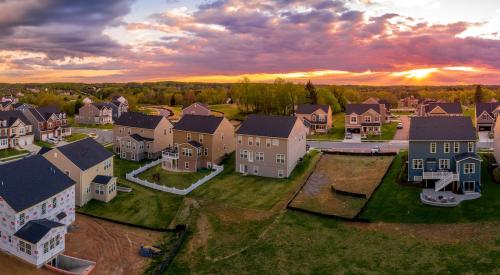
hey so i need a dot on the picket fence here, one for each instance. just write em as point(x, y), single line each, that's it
point(132, 177)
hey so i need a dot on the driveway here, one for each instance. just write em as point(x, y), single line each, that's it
point(103, 135)
point(402, 134)
point(355, 138)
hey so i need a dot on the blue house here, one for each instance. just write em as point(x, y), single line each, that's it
point(442, 155)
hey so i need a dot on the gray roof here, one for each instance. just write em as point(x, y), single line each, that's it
point(12, 116)
point(139, 120)
point(311, 108)
point(444, 128)
point(488, 107)
point(102, 179)
point(467, 155)
point(199, 124)
point(85, 153)
point(29, 181)
point(266, 125)
point(450, 108)
point(34, 230)
point(43, 113)
point(140, 138)
point(361, 108)
point(101, 105)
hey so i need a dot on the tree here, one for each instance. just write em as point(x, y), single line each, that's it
point(311, 92)
point(478, 95)
point(172, 100)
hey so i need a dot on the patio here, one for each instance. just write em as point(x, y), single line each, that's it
point(445, 198)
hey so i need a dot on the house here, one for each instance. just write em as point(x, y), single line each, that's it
point(364, 119)
point(316, 117)
point(486, 115)
point(496, 141)
point(442, 154)
point(137, 136)
point(270, 146)
point(199, 142)
point(21, 106)
point(48, 122)
point(6, 106)
point(408, 102)
point(90, 165)
point(37, 204)
point(119, 106)
point(197, 108)
point(384, 107)
point(95, 113)
point(433, 108)
point(10, 98)
point(15, 130)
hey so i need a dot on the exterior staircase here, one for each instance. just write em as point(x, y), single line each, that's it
point(444, 178)
point(443, 182)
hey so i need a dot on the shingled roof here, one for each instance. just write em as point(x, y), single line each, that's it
point(311, 108)
point(450, 108)
point(29, 181)
point(268, 126)
point(12, 116)
point(489, 107)
point(361, 108)
point(43, 113)
point(457, 128)
point(199, 124)
point(34, 230)
point(138, 120)
point(85, 153)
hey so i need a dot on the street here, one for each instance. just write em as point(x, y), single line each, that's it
point(103, 135)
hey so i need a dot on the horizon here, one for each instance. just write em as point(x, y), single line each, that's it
point(358, 42)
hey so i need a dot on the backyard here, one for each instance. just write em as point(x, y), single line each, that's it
point(230, 111)
point(179, 180)
point(337, 132)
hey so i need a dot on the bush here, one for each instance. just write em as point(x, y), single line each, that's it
point(496, 174)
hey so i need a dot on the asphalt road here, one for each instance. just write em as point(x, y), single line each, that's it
point(103, 135)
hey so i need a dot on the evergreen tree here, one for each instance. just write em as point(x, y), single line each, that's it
point(172, 100)
point(478, 95)
point(311, 92)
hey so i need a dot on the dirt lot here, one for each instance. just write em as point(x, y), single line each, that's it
point(114, 247)
point(354, 174)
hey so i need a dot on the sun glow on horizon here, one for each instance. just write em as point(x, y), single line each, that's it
point(417, 73)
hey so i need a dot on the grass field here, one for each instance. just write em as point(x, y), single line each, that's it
point(388, 132)
point(230, 111)
point(75, 137)
point(354, 174)
point(253, 192)
point(179, 180)
point(8, 153)
point(42, 143)
point(337, 132)
point(396, 203)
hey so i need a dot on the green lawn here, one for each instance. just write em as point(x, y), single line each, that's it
point(42, 143)
point(8, 153)
point(230, 111)
point(337, 132)
point(388, 132)
point(253, 192)
point(180, 180)
point(396, 203)
point(75, 137)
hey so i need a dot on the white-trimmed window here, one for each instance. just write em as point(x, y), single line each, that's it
point(484, 116)
point(281, 173)
point(268, 142)
point(206, 151)
point(257, 142)
point(354, 119)
point(469, 168)
point(446, 147)
point(256, 170)
point(186, 165)
point(433, 147)
point(418, 164)
point(259, 156)
point(280, 158)
point(368, 119)
point(45, 247)
point(276, 142)
point(444, 164)
point(469, 186)
point(243, 154)
point(240, 139)
point(456, 147)
point(470, 147)
point(200, 138)
point(188, 136)
point(250, 141)
point(25, 247)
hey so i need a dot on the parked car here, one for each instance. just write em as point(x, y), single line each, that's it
point(52, 140)
point(400, 125)
point(348, 135)
point(375, 149)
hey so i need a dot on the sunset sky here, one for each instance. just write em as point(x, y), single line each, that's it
point(373, 42)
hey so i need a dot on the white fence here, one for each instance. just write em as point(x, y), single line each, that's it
point(132, 177)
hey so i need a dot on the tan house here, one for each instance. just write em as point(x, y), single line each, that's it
point(199, 142)
point(486, 115)
point(15, 130)
point(95, 113)
point(316, 117)
point(197, 108)
point(383, 107)
point(408, 102)
point(48, 122)
point(137, 136)
point(90, 165)
point(437, 108)
point(364, 119)
point(270, 146)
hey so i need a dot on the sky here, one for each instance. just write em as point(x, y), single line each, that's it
point(369, 42)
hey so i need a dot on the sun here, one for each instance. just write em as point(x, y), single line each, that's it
point(417, 73)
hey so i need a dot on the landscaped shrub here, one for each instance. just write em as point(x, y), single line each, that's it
point(496, 174)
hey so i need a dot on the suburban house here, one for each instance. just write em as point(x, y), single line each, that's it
point(439, 109)
point(95, 113)
point(442, 154)
point(197, 108)
point(408, 102)
point(486, 115)
point(383, 107)
point(15, 130)
point(37, 204)
point(364, 119)
point(119, 105)
point(90, 165)
point(48, 122)
point(496, 139)
point(270, 146)
point(199, 142)
point(6, 106)
point(137, 136)
point(316, 117)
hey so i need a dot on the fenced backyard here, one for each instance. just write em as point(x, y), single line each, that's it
point(132, 176)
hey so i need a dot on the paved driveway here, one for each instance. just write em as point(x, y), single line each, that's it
point(402, 134)
point(103, 135)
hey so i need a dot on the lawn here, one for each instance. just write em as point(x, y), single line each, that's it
point(353, 174)
point(75, 137)
point(180, 180)
point(143, 206)
point(72, 123)
point(388, 132)
point(396, 203)
point(42, 143)
point(9, 152)
point(230, 111)
point(253, 192)
point(337, 132)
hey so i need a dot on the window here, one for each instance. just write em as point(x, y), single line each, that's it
point(280, 173)
point(58, 240)
point(259, 156)
point(469, 168)
point(164, 132)
point(484, 116)
point(25, 247)
point(433, 147)
point(418, 164)
point(469, 186)
point(124, 155)
point(44, 208)
point(256, 170)
point(377, 118)
point(268, 142)
point(257, 142)
point(52, 243)
point(456, 147)
point(470, 147)
point(276, 142)
point(206, 151)
point(354, 119)
point(188, 136)
point(444, 164)
point(280, 158)
point(200, 139)
point(186, 165)
point(446, 147)
point(45, 247)
point(129, 131)
point(187, 152)
point(250, 141)
point(100, 189)
point(21, 219)
point(243, 154)
point(54, 203)
point(368, 119)
point(240, 139)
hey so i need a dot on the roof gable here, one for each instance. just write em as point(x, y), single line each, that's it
point(139, 120)
point(34, 230)
point(361, 108)
point(268, 125)
point(199, 124)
